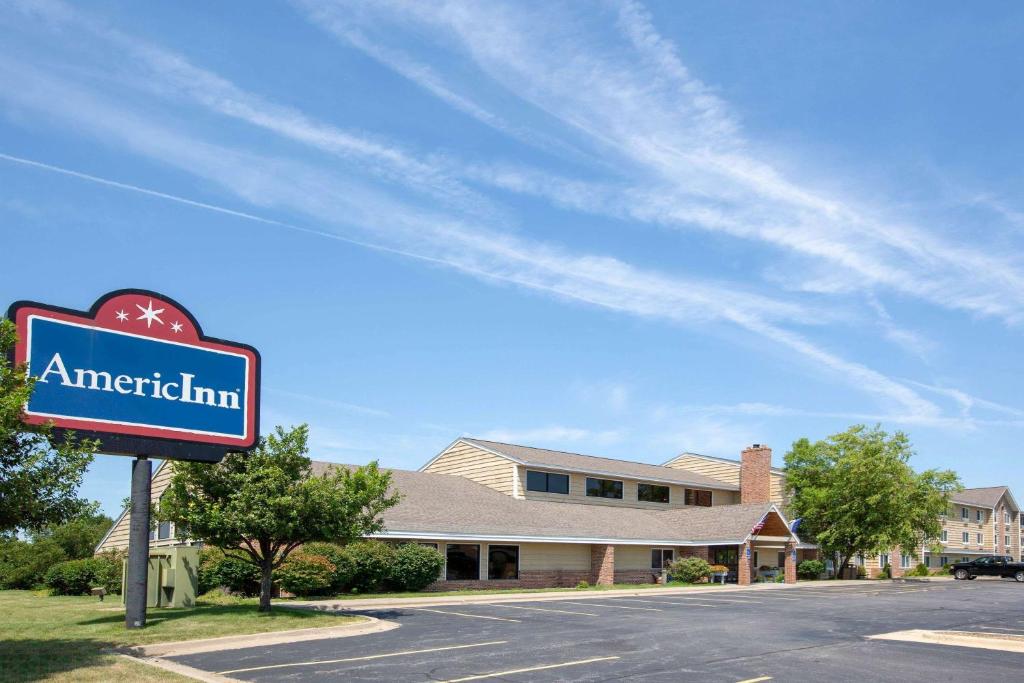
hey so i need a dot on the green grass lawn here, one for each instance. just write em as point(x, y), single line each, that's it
point(64, 638)
point(498, 591)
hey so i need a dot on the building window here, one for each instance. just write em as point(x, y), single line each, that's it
point(1006, 542)
point(463, 562)
point(604, 488)
point(943, 561)
point(977, 516)
point(502, 562)
point(928, 560)
point(652, 493)
point(661, 558)
point(428, 545)
point(1006, 517)
point(963, 513)
point(163, 531)
point(965, 537)
point(979, 539)
point(883, 560)
point(905, 561)
point(699, 497)
point(547, 482)
point(945, 536)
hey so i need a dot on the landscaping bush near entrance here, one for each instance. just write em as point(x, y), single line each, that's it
point(415, 567)
point(23, 565)
point(344, 567)
point(690, 570)
point(810, 569)
point(217, 570)
point(372, 562)
point(306, 574)
point(919, 570)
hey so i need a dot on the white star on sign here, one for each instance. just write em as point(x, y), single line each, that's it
point(149, 315)
point(122, 316)
point(176, 326)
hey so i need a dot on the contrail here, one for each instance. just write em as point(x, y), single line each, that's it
point(219, 209)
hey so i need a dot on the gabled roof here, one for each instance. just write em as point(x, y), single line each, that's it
point(591, 464)
point(715, 458)
point(987, 496)
point(444, 506)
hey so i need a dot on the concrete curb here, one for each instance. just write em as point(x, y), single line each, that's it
point(189, 647)
point(180, 669)
point(372, 604)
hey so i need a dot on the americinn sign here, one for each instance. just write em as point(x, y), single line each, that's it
point(136, 373)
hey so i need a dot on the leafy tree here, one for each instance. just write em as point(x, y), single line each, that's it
point(79, 536)
point(856, 493)
point(23, 565)
point(268, 503)
point(39, 473)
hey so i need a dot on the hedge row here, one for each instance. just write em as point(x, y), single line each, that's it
point(79, 577)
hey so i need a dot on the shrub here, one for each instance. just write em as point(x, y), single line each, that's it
point(810, 569)
point(415, 567)
point(886, 572)
point(344, 567)
point(78, 577)
point(690, 570)
point(371, 565)
point(944, 570)
point(23, 565)
point(861, 572)
point(209, 558)
point(582, 585)
point(306, 574)
point(919, 570)
point(235, 574)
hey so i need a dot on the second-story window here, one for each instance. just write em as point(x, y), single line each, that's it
point(965, 537)
point(979, 539)
point(604, 488)
point(977, 515)
point(652, 493)
point(699, 497)
point(964, 514)
point(945, 535)
point(547, 482)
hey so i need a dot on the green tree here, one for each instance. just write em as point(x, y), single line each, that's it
point(856, 493)
point(268, 503)
point(79, 536)
point(39, 473)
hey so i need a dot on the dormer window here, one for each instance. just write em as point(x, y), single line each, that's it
point(652, 493)
point(698, 497)
point(604, 488)
point(547, 482)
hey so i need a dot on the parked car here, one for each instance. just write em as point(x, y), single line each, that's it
point(989, 565)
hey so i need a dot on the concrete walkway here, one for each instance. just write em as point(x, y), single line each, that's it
point(426, 600)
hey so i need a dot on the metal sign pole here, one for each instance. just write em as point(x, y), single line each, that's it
point(138, 545)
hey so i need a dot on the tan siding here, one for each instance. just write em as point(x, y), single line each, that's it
point(565, 556)
point(578, 492)
point(727, 473)
point(118, 538)
point(476, 464)
point(632, 557)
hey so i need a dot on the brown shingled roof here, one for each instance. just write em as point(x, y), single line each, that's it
point(542, 457)
point(987, 496)
point(444, 505)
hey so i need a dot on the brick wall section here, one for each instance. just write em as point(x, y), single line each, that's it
point(636, 576)
point(602, 564)
point(743, 572)
point(790, 567)
point(700, 551)
point(755, 474)
point(554, 578)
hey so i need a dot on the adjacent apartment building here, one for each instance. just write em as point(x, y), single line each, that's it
point(979, 521)
point(516, 516)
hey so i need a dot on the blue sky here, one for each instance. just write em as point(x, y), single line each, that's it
point(611, 228)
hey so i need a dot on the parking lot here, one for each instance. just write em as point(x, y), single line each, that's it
point(807, 632)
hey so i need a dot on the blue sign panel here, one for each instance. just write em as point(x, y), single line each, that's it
point(137, 373)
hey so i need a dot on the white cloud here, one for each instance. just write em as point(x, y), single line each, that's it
point(552, 435)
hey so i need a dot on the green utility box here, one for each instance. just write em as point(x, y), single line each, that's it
point(173, 576)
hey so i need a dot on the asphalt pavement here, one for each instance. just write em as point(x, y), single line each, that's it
point(810, 632)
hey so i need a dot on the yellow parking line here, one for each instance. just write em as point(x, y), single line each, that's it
point(673, 602)
point(545, 609)
point(462, 614)
point(597, 604)
point(532, 668)
point(755, 680)
point(715, 598)
point(364, 658)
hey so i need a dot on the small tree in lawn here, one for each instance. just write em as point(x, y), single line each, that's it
point(855, 493)
point(268, 503)
point(39, 473)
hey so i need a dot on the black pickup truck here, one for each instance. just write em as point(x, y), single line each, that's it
point(990, 565)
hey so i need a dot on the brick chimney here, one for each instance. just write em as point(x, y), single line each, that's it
point(755, 474)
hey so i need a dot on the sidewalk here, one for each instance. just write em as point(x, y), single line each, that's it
point(427, 601)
